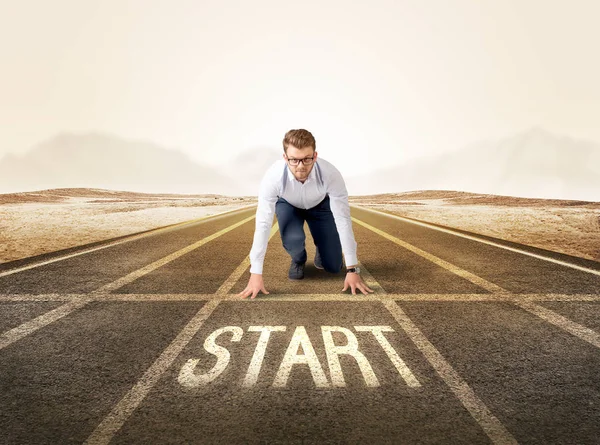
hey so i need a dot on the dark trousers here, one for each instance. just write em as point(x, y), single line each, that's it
point(322, 228)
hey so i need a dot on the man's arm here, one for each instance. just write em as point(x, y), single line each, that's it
point(267, 198)
point(340, 207)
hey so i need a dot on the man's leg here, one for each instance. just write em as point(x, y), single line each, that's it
point(291, 229)
point(327, 239)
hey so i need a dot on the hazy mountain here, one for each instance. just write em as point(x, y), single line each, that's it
point(96, 160)
point(249, 167)
point(535, 164)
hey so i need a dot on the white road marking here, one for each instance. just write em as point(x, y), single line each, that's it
point(563, 323)
point(259, 353)
point(370, 280)
point(494, 288)
point(159, 263)
point(239, 271)
point(350, 348)
point(14, 334)
point(401, 367)
point(546, 314)
point(292, 358)
point(189, 379)
point(482, 415)
point(121, 412)
point(121, 241)
point(484, 241)
point(480, 412)
point(304, 297)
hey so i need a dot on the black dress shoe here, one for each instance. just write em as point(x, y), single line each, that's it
point(296, 271)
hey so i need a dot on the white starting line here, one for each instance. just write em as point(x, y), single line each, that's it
point(345, 297)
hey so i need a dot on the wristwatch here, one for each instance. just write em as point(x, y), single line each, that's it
point(353, 270)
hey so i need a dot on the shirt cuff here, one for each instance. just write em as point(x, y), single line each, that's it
point(350, 259)
point(256, 268)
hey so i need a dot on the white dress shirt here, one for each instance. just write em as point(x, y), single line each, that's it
point(279, 181)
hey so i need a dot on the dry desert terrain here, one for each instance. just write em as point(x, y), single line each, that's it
point(570, 227)
point(32, 223)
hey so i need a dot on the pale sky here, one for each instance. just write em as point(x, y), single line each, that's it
point(400, 79)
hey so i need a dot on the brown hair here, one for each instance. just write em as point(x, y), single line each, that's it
point(299, 139)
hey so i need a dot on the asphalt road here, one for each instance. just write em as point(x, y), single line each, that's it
point(143, 339)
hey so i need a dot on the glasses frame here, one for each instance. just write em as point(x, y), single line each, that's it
point(298, 161)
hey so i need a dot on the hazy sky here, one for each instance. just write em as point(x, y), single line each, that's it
point(213, 78)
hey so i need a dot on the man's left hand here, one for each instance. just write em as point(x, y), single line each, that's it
point(355, 282)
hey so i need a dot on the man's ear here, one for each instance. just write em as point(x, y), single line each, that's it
point(315, 155)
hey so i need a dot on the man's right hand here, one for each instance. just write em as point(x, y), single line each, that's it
point(255, 284)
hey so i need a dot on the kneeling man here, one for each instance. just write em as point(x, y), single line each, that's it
point(301, 188)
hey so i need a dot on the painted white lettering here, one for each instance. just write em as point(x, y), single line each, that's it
point(259, 353)
point(351, 348)
point(403, 370)
point(292, 357)
point(187, 377)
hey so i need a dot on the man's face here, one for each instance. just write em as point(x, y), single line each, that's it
point(300, 171)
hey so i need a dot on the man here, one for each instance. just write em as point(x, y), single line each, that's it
point(299, 188)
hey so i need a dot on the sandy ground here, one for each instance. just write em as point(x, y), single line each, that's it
point(34, 223)
point(570, 227)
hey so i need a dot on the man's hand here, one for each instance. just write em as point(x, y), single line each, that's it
point(255, 284)
point(355, 282)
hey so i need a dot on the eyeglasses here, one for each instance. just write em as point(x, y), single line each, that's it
point(305, 161)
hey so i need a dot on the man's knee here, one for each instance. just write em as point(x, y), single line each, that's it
point(293, 239)
point(332, 266)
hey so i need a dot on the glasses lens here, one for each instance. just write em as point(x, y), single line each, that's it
point(307, 161)
point(293, 161)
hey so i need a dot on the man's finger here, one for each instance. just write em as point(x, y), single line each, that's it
point(345, 286)
point(264, 290)
point(363, 288)
point(254, 293)
point(353, 290)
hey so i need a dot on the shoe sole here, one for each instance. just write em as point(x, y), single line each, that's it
point(295, 279)
point(322, 268)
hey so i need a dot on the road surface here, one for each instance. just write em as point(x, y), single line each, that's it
point(143, 339)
